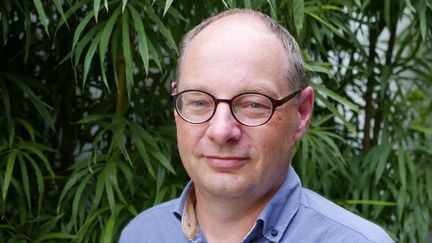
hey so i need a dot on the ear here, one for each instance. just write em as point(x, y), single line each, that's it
point(305, 105)
point(173, 87)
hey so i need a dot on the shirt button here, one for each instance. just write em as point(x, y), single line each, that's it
point(274, 232)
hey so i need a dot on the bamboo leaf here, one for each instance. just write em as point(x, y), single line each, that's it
point(25, 180)
point(42, 15)
point(59, 8)
point(55, 236)
point(127, 53)
point(298, 8)
point(142, 39)
point(103, 44)
point(124, 3)
point(96, 6)
point(402, 169)
point(76, 54)
point(421, 9)
point(78, 198)
point(325, 23)
point(8, 172)
point(128, 176)
point(162, 28)
point(108, 231)
point(28, 127)
point(154, 54)
point(138, 142)
point(6, 101)
point(79, 30)
point(164, 161)
point(91, 119)
point(333, 109)
point(39, 179)
point(73, 179)
point(89, 56)
point(167, 6)
point(336, 97)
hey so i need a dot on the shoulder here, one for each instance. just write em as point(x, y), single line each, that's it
point(151, 224)
point(333, 218)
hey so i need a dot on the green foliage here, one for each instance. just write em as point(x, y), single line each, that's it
point(87, 139)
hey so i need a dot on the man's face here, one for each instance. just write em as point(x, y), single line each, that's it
point(224, 158)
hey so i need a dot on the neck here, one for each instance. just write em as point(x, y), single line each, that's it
point(228, 220)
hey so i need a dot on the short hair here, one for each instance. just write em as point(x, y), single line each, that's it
point(295, 74)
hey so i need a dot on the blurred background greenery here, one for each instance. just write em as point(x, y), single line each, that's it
point(87, 138)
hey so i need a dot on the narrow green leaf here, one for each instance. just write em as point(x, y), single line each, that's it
point(79, 30)
point(48, 226)
point(167, 6)
point(138, 142)
point(298, 14)
point(371, 202)
point(333, 109)
point(247, 4)
point(25, 180)
point(272, 5)
point(55, 236)
point(142, 39)
point(108, 230)
point(154, 54)
point(71, 10)
point(78, 50)
point(421, 9)
point(338, 98)
point(401, 166)
point(103, 44)
point(164, 161)
point(91, 118)
point(96, 7)
point(162, 28)
point(36, 101)
point(41, 156)
point(100, 188)
point(78, 197)
point(124, 2)
point(8, 173)
point(59, 8)
point(128, 176)
point(89, 56)
point(72, 180)
point(106, 4)
point(127, 53)
point(322, 21)
point(109, 192)
point(6, 101)
point(39, 179)
point(28, 127)
point(42, 15)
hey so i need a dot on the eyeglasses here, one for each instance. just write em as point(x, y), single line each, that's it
point(250, 109)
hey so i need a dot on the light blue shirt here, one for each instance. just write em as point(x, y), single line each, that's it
point(294, 214)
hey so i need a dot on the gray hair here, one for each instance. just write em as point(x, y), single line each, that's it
point(295, 75)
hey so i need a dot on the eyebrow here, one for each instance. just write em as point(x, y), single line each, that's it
point(248, 88)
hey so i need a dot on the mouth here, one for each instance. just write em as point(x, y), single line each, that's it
point(225, 163)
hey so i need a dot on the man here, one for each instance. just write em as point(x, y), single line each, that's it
point(241, 101)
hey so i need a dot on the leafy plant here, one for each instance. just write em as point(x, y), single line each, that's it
point(87, 138)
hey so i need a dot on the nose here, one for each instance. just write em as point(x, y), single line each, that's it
point(223, 127)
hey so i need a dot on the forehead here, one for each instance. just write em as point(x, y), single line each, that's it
point(235, 53)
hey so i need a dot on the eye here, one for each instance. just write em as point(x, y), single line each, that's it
point(257, 105)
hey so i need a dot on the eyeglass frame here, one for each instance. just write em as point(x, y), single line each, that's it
point(275, 103)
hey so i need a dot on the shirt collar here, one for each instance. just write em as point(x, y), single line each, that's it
point(272, 221)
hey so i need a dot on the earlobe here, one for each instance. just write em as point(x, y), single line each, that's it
point(304, 109)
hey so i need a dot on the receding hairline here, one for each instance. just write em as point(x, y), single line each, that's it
point(295, 74)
